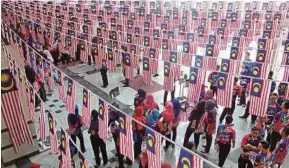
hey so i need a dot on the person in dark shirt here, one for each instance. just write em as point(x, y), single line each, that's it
point(96, 142)
point(273, 84)
point(213, 79)
point(103, 72)
point(30, 73)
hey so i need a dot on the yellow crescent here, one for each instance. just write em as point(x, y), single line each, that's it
point(225, 66)
point(186, 162)
point(121, 122)
point(8, 87)
point(151, 140)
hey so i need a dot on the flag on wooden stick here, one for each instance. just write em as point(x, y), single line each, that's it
point(12, 111)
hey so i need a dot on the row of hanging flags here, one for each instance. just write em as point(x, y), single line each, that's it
point(173, 59)
point(14, 80)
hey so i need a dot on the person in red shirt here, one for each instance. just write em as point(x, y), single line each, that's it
point(138, 130)
point(281, 151)
point(237, 91)
point(225, 137)
point(280, 120)
point(249, 144)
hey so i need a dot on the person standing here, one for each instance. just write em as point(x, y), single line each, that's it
point(280, 120)
point(211, 126)
point(79, 133)
point(55, 52)
point(236, 92)
point(103, 72)
point(213, 79)
point(280, 153)
point(172, 94)
point(138, 130)
point(225, 139)
point(198, 119)
point(96, 142)
point(247, 113)
point(249, 144)
point(139, 98)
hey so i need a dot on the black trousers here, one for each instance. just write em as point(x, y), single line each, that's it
point(224, 150)
point(209, 139)
point(189, 132)
point(228, 111)
point(275, 137)
point(166, 95)
point(89, 59)
point(97, 144)
point(55, 56)
point(246, 114)
point(268, 138)
point(243, 97)
point(65, 58)
point(244, 163)
point(80, 137)
point(137, 149)
point(214, 89)
point(174, 130)
point(42, 92)
point(126, 83)
point(103, 73)
point(197, 139)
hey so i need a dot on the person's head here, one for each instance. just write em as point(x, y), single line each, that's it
point(76, 109)
point(191, 146)
point(270, 75)
point(72, 119)
point(177, 107)
point(169, 107)
point(201, 105)
point(94, 115)
point(166, 165)
point(141, 93)
point(112, 109)
point(255, 132)
point(209, 94)
point(285, 105)
point(273, 98)
point(285, 132)
point(210, 105)
point(236, 80)
point(229, 120)
point(263, 146)
point(262, 119)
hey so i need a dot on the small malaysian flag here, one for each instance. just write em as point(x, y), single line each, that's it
point(12, 111)
point(86, 107)
point(70, 96)
point(147, 71)
point(264, 55)
point(259, 96)
point(225, 89)
point(61, 86)
point(65, 150)
point(31, 103)
point(83, 162)
point(127, 65)
point(103, 119)
point(168, 77)
point(228, 66)
point(196, 79)
point(52, 134)
point(176, 68)
point(125, 136)
point(188, 159)
point(153, 148)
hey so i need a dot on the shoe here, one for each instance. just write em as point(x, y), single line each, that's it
point(105, 162)
point(243, 117)
point(239, 104)
point(103, 86)
point(204, 137)
point(125, 86)
point(155, 75)
point(166, 148)
point(204, 146)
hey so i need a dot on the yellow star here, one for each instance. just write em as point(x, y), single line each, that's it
point(4, 77)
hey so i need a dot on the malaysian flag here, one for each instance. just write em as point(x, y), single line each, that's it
point(103, 119)
point(83, 162)
point(264, 55)
point(111, 63)
point(190, 160)
point(195, 84)
point(147, 71)
point(259, 96)
point(41, 122)
point(65, 150)
point(83, 51)
point(210, 58)
point(125, 136)
point(70, 96)
point(86, 107)
point(153, 60)
point(127, 65)
point(12, 111)
point(153, 148)
point(286, 67)
point(176, 68)
point(168, 77)
point(52, 134)
point(51, 71)
point(225, 89)
point(228, 66)
point(185, 114)
point(61, 86)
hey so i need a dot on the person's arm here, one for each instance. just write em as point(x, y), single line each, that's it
point(244, 142)
point(233, 138)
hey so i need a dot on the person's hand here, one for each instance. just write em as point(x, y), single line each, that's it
point(92, 132)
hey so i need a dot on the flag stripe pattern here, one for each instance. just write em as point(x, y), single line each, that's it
point(154, 154)
point(194, 89)
point(42, 122)
point(70, 97)
point(12, 112)
point(86, 108)
point(259, 95)
point(103, 122)
point(61, 86)
point(126, 140)
point(225, 89)
point(52, 134)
